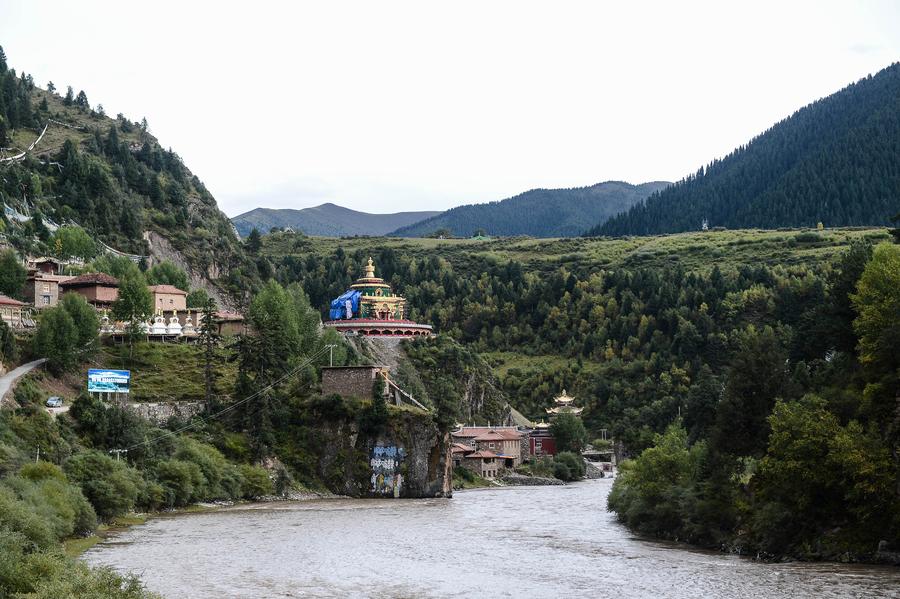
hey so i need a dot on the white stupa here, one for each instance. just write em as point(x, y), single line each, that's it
point(159, 325)
point(174, 327)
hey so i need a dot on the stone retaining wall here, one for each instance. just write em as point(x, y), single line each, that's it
point(160, 412)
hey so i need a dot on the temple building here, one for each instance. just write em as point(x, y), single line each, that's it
point(564, 404)
point(370, 308)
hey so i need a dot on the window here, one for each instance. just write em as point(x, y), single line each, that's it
point(46, 287)
point(171, 301)
point(491, 445)
point(45, 300)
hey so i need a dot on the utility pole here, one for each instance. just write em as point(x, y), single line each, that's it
point(331, 347)
point(118, 452)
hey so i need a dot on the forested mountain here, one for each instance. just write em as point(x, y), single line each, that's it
point(539, 212)
point(836, 161)
point(64, 161)
point(767, 359)
point(326, 220)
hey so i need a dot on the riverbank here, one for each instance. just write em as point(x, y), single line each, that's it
point(77, 546)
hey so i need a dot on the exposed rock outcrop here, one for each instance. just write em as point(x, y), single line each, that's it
point(162, 249)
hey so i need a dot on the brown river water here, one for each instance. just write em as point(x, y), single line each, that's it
point(503, 542)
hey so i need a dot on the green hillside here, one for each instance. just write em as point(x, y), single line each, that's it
point(539, 212)
point(328, 220)
point(836, 161)
point(64, 161)
point(737, 363)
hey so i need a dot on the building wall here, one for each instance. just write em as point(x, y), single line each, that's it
point(95, 294)
point(41, 292)
point(508, 447)
point(169, 301)
point(483, 467)
point(349, 381)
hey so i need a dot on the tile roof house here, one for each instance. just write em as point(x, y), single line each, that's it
point(168, 297)
point(13, 313)
point(99, 289)
point(488, 451)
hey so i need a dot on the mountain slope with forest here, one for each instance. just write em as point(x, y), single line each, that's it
point(835, 161)
point(65, 161)
point(326, 220)
point(539, 212)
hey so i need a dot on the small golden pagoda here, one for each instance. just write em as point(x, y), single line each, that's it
point(564, 405)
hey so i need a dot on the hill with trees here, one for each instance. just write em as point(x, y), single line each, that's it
point(751, 375)
point(326, 220)
point(537, 213)
point(64, 161)
point(835, 161)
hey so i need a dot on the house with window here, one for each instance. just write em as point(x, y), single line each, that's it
point(488, 451)
point(42, 289)
point(168, 297)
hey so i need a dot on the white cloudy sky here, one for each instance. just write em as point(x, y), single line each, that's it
point(387, 106)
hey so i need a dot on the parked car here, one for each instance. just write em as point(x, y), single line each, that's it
point(54, 402)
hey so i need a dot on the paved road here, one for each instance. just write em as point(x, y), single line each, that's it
point(7, 381)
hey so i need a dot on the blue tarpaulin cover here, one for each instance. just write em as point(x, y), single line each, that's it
point(339, 306)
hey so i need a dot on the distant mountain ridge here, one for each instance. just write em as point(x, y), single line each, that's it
point(835, 161)
point(326, 220)
point(539, 212)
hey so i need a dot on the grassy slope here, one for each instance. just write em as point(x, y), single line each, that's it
point(160, 372)
point(699, 250)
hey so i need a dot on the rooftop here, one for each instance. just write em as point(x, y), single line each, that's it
point(166, 289)
point(8, 301)
point(92, 278)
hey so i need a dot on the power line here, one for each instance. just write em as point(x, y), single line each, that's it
point(234, 405)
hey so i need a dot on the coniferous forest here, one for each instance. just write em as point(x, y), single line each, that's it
point(835, 161)
point(729, 386)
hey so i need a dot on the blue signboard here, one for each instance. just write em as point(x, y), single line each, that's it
point(108, 381)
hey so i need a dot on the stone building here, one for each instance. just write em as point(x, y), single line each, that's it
point(42, 289)
point(99, 289)
point(350, 381)
point(168, 298)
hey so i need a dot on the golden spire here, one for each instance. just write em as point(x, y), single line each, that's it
point(370, 269)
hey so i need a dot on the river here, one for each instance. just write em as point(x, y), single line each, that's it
point(502, 542)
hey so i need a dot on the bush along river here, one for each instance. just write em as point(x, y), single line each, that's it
point(554, 541)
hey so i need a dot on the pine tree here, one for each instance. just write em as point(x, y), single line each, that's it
point(70, 97)
point(209, 338)
point(51, 87)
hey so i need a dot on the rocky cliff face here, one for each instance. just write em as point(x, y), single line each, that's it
point(406, 457)
point(162, 249)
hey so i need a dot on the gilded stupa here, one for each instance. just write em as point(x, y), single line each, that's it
point(370, 308)
point(564, 404)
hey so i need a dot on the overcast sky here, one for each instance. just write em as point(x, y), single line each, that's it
point(389, 106)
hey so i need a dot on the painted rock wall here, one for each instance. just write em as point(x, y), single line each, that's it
point(406, 457)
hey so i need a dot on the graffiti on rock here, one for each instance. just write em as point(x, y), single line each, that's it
point(386, 477)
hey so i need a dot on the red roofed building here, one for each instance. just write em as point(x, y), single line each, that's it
point(488, 449)
point(13, 313)
point(99, 289)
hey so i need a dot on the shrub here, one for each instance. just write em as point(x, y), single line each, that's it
point(180, 480)
point(573, 462)
point(561, 471)
point(256, 482)
point(111, 486)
